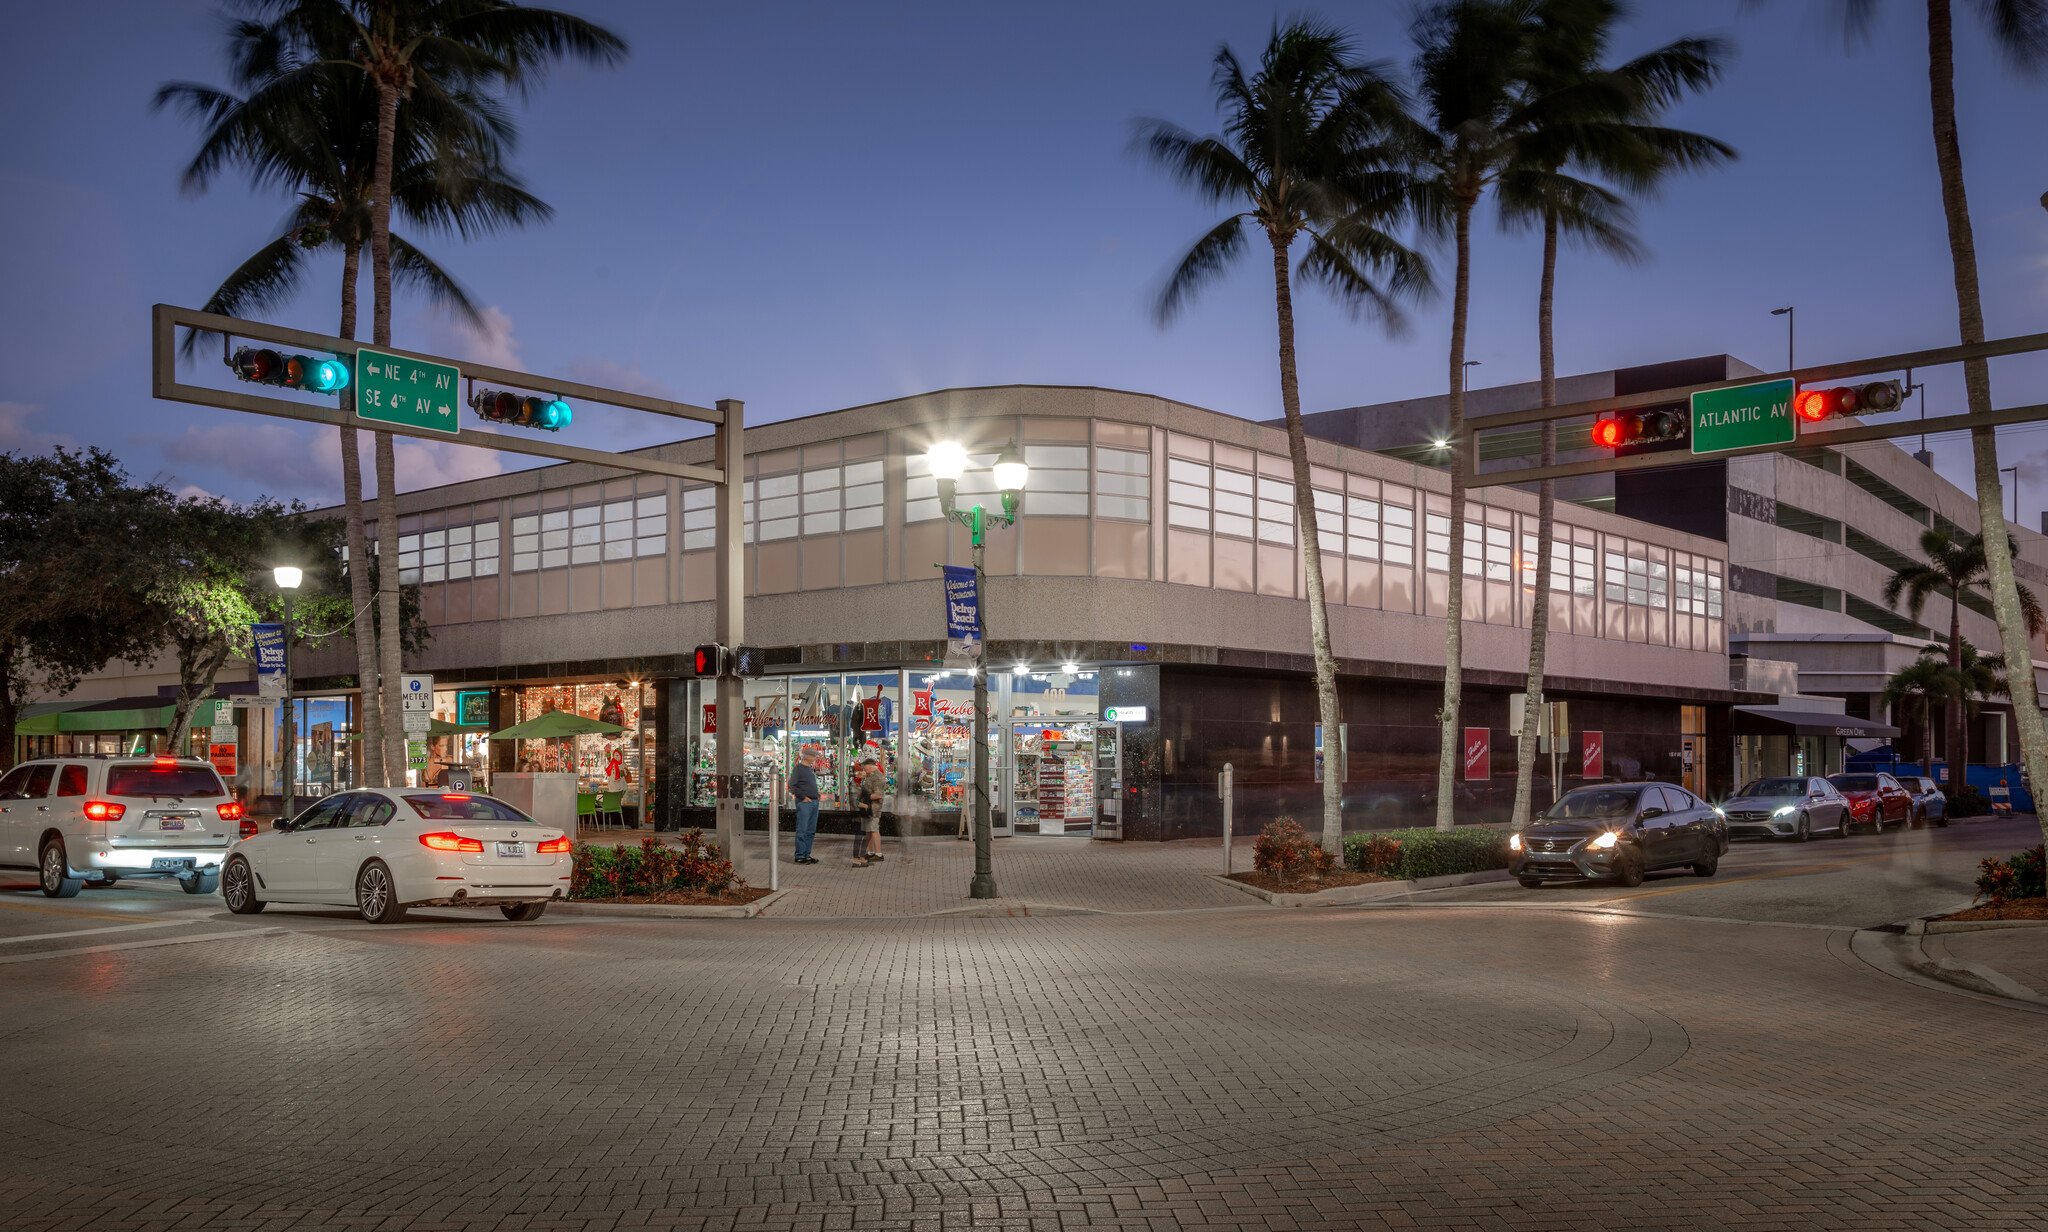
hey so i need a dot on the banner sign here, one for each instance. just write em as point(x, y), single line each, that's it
point(963, 616)
point(269, 640)
point(1592, 756)
point(1478, 754)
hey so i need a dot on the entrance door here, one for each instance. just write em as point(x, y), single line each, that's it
point(1052, 775)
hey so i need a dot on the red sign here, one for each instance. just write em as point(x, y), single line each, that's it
point(223, 757)
point(921, 704)
point(1478, 753)
point(1592, 756)
point(711, 720)
point(871, 714)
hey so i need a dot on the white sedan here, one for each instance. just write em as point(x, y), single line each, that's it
point(383, 850)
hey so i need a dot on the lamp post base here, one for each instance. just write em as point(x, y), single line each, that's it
point(983, 886)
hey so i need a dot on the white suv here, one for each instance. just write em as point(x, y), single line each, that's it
point(101, 819)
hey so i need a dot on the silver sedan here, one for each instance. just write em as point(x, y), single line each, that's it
point(1796, 808)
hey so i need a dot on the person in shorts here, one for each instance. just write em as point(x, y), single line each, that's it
point(872, 788)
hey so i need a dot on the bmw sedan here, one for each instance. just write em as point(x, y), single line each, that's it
point(382, 850)
point(1794, 808)
point(1618, 831)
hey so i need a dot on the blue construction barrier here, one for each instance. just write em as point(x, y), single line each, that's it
point(1983, 778)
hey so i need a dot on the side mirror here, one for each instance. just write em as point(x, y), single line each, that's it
point(281, 824)
point(1650, 812)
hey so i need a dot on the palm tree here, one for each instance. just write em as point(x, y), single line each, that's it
point(1954, 569)
point(414, 51)
point(1583, 117)
point(1304, 157)
point(1914, 689)
point(2019, 29)
point(312, 130)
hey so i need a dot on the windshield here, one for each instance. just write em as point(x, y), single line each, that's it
point(173, 781)
point(454, 806)
point(1775, 787)
point(1854, 782)
point(1593, 803)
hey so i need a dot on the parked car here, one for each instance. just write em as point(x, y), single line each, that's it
point(1619, 830)
point(1790, 807)
point(1875, 800)
point(98, 819)
point(383, 850)
point(1930, 806)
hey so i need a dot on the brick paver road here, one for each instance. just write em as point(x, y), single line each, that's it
point(1258, 1069)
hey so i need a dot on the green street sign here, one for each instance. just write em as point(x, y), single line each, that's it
point(1743, 416)
point(412, 392)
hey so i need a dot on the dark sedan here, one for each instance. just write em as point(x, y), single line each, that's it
point(1875, 800)
point(1619, 830)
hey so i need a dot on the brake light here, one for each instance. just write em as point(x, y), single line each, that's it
point(454, 797)
point(231, 811)
point(554, 845)
point(448, 841)
point(165, 763)
point(101, 810)
point(249, 827)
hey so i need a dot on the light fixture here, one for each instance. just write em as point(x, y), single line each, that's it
point(1070, 669)
point(288, 576)
point(1011, 470)
point(947, 458)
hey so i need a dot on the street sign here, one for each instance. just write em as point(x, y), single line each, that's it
point(1746, 415)
point(413, 392)
point(418, 722)
point(418, 692)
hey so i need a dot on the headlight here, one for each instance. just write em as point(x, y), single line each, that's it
point(1514, 842)
point(1786, 811)
point(1605, 841)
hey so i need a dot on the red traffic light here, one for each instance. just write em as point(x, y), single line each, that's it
point(1607, 433)
point(709, 660)
point(254, 364)
point(1875, 398)
point(1639, 427)
point(267, 367)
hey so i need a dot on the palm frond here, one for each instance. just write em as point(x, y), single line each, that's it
point(412, 268)
point(1200, 265)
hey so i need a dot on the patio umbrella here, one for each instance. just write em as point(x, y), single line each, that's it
point(555, 724)
point(442, 727)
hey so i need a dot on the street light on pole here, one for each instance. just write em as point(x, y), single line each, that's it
point(2015, 490)
point(948, 460)
point(1791, 318)
point(288, 578)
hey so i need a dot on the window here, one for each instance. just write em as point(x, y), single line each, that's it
point(821, 507)
point(775, 507)
point(408, 560)
point(1276, 512)
point(1638, 579)
point(1123, 484)
point(1714, 592)
point(977, 485)
point(1234, 504)
point(457, 807)
point(1330, 521)
point(1058, 485)
point(1660, 584)
point(368, 809)
point(71, 781)
point(700, 518)
point(1187, 494)
point(1584, 581)
point(863, 494)
point(1397, 534)
point(1436, 542)
point(169, 781)
point(1500, 551)
point(1362, 526)
point(1617, 576)
point(635, 527)
point(462, 551)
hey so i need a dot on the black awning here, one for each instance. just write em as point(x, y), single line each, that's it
point(1771, 721)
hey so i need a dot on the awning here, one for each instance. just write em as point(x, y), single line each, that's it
point(1771, 721)
point(116, 714)
point(40, 718)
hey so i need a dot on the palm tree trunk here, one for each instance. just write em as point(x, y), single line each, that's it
point(1962, 244)
point(1450, 758)
point(1952, 707)
point(388, 653)
point(1546, 517)
point(369, 708)
point(1312, 562)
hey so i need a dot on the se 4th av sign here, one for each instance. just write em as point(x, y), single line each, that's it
point(412, 392)
point(1744, 416)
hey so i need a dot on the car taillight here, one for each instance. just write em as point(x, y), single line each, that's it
point(554, 845)
point(101, 810)
point(447, 841)
point(230, 811)
point(249, 827)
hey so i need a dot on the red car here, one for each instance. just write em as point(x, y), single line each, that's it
point(1875, 800)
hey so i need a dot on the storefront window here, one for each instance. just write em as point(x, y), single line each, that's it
point(606, 762)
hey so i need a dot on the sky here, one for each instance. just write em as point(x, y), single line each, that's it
point(809, 206)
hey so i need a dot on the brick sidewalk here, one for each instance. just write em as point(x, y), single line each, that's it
point(2019, 954)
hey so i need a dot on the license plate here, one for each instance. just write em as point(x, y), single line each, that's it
point(1549, 857)
point(511, 849)
point(170, 864)
point(171, 823)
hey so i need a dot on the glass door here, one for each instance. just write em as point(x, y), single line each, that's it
point(1052, 775)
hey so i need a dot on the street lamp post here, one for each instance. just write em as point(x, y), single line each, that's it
point(948, 459)
point(288, 578)
point(1791, 314)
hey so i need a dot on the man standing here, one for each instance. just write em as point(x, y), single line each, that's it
point(803, 787)
point(872, 789)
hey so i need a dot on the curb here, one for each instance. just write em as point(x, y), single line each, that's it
point(1371, 891)
point(1899, 955)
point(995, 909)
point(669, 911)
point(1937, 927)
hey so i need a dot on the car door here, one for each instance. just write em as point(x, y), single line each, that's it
point(28, 811)
point(359, 833)
point(1699, 823)
point(1893, 804)
point(67, 804)
point(15, 813)
point(291, 869)
point(1659, 828)
point(1825, 807)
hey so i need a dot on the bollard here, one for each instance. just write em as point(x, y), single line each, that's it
point(1226, 788)
point(774, 823)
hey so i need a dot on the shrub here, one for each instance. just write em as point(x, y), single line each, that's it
point(2020, 877)
point(651, 868)
point(1287, 852)
point(1966, 801)
point(1412, 854)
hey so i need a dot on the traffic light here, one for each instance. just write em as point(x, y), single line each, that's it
point(1814, 405)
point(748, 661)
point(1640, 428)
point(709, 660)
point(547, 414)
point(268, 367)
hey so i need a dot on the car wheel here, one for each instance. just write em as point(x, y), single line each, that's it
point(1941, 822)
point(376, 896)
point(1707, 867)
point(200, 883)
point(1628, 871)
point(1805, 830)
point(520, 913)
point(238, 888)
point(56, 869)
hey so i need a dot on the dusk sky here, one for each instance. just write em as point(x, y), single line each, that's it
point(814, 206)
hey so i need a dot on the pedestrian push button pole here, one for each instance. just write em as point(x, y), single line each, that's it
point(1226, 788)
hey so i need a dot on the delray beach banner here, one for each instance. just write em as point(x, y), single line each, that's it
point(269, 660)
point(963, 616)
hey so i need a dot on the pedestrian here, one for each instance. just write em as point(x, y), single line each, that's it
point(872, 788)
point(803, 788)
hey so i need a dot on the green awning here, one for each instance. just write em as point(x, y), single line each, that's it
point(118, 714)
point(40, 718)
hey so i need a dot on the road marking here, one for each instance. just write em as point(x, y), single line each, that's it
point(142, 945)
point(86, 932)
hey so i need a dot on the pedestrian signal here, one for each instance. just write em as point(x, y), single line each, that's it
point(709, 660)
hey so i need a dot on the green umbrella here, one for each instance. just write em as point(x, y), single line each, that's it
point(442, 727)
point(556, 724)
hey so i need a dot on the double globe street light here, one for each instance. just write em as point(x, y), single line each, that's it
point(948, 461)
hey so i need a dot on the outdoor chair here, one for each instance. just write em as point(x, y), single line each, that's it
point(609, 805)
point(586, 806)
